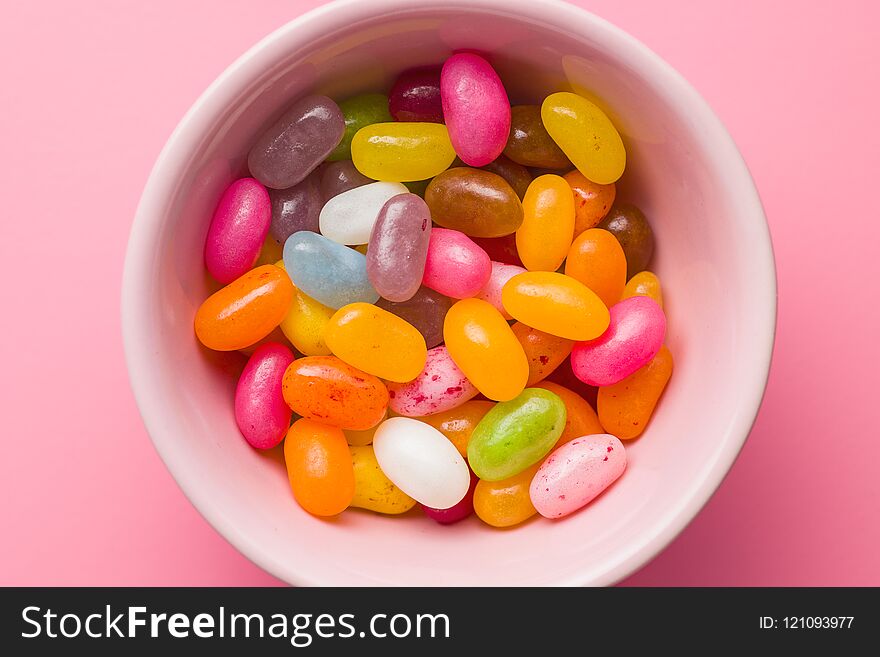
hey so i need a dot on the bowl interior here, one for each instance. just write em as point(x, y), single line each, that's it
point(713, 257)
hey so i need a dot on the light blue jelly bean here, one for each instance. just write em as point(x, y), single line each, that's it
point(327, 271)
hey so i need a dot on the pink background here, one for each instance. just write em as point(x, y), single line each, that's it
point(91, 90)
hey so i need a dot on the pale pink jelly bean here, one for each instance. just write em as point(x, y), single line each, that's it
point(576, 473)
point(491, 292)
point(238, 229)
point(475, 108)
point(260, 410)
point(454, 513)
point(455, 265)
point(440, 387)
point(633, 337)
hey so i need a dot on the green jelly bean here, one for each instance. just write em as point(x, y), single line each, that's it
point(516, 434)
point(358, 112)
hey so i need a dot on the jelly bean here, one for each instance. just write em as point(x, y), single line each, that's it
point(372, 489)
point(585, 135)
point(402, 151)
point(644, 284)
point(544, 352)
point(458, 423)
point(627, 223)
point(455, 513)
point(591, 200)
point(556, 304)
point(297, 143)
point(475, 107)
point(491, 292)
point(421, 462)
point(426, 310)
point(348, 218)
point(580, 418)
point(544, 237)
point(319, 467)
point(296, 208)
point(483, 346)
point(415, 96)
point(398, 247)
point(244, 311)
point(516, 434)
point(261, 413)
point(270, 253)
point(363, 437)
point(529, 143)
point(634, 336)
point(455, 266)
point(359, 112)
point(626, 406)
point(326, 389)
point(500, 249)
point(564, 376)
point(440, 386)
point(576, 473)
point(330, 273)
point(505, 503)
point(237, 230)
point(305, 324)
point(516, 175)
point(596, 259)
point(476, 202)
point(377, 342)
point(338, 177)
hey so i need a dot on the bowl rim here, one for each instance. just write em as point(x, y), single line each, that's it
point(143, 246)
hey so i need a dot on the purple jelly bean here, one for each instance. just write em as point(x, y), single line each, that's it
point(415, 96)
point(261, 413)
point(296, 208)
point(454, 513)
point(297, 142)
point(398, 247)
point(338, 177)
point(426, 310)
point(238, 230)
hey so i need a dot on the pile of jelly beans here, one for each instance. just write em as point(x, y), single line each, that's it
point(429, 287)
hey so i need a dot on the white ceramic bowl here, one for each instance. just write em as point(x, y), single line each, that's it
point(714, 258)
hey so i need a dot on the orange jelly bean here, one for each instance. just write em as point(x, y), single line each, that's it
point(481, 343)
point(592, 201)
point(377, 342)
point(329, 390)
point(580, 418)
point(505, 503)
point(644, 284)
point(458, 423)
point(319, 467)
point(556, 304)
point(245, 311)
point(544, 352)
point(626, 407)
point(597, 260)
point(545, 235)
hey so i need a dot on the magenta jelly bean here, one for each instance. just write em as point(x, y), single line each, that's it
point(238, 230)
point(398, 247)
point(454, 513)
point(475, 107)
point(262, 415)
point(633, 337)
point(455, 265)
point(440, 387)
point(491, 292)
point(296, 208)
point(415, 96)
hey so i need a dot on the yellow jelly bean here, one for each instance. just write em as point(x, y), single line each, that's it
point(402, 152)
point(372, 489)
point(306, 322)
point(545, 235)
point(586, 135)
point(270, 253)
point(644, 284)
point(364, 437)
point(485, 348)
point(505, 503)
point(556, 304)
point(377, 342)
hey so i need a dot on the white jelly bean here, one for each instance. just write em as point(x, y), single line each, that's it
point(348, 218)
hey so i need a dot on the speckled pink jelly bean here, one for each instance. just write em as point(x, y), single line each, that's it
point(454, 513)
point(260, 410)
point(633, 337)
point(441, 386)
point(491, 292)
point(455, 266)
point(576, 473)
point(475, 108)
point(238, 229)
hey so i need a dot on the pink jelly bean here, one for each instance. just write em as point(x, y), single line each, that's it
point(440, 387)
point(633, 337)
point(575, 474)
point(260, 410)
point(475, 107)
point(454, 513)
point(238, 229)
point(491, 292)
point(455, 265)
